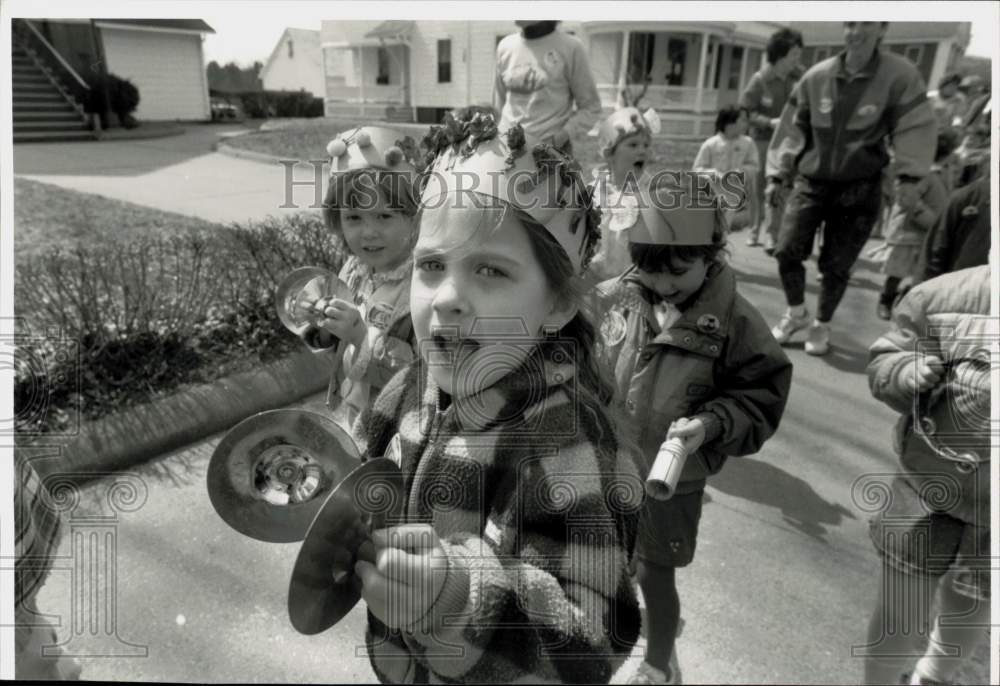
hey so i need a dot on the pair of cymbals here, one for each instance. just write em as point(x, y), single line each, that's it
point(293, 475)
point(272, 472)
point(296, 294)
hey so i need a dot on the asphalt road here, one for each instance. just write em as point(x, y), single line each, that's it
point(780, 590)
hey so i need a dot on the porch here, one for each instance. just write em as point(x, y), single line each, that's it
point(686, 74)
point(369, 76)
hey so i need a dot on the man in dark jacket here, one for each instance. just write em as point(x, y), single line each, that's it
point(832, 137)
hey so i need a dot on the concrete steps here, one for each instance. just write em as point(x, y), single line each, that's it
point(41, 110)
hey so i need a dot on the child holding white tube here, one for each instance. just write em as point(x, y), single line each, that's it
point(694, 360)
point(370, 202)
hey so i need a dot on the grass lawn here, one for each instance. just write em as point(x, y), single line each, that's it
point(306, 139)
point(47, 216)
point(114, 373)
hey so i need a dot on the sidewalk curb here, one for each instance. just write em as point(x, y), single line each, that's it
point(226, 149)
point(139, 434)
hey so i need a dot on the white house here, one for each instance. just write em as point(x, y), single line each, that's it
point(296, 63)
point(162, 57)
point(417, 70)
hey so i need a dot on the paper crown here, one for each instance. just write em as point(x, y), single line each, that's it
point(672, 214)
point(623, 123)
point(471, 155)
point(373, 147)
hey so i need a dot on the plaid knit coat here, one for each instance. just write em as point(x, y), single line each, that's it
point(37, 530)
point(537, 513)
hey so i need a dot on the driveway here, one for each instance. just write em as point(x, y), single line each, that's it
point(178, 174)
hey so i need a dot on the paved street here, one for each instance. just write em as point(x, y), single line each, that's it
point(176, 174)
point(780, 589)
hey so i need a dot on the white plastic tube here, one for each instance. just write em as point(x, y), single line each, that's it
point(661, 483)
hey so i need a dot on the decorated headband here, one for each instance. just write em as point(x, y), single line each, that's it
point(623, 123)
point(676, 215)
point(373, 147)
point(470, 155)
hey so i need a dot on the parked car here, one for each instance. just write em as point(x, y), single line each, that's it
point(222, 109)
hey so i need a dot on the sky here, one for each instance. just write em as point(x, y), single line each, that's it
point(253, 35)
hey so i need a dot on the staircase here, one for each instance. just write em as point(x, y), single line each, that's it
point(43, 109)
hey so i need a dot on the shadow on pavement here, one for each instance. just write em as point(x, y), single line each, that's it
point(762, 482)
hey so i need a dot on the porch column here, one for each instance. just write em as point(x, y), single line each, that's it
point(623, 69)
point(942, 57)
point(743, 67)
point(702, 67)
point(361, 79)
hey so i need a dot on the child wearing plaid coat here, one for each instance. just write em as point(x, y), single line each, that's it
point(520, 505)
point(37, 530)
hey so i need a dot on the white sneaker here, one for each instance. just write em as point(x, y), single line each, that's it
point(788, 325)
point(818, 339)
point(648, 674)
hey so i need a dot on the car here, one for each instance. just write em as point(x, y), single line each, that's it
point(223, 109)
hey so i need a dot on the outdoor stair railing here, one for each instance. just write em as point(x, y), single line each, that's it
point(47, 59)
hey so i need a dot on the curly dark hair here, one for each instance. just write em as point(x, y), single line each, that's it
point(729, 114)
point(781, 43)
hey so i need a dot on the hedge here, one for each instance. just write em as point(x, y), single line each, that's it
point(104, 327)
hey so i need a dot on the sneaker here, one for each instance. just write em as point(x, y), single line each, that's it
point(883, 311)
point(752, 241)
point(915, 679)
point(769, 245)
point(818, 339)
point(648, 674)
point(788, 325)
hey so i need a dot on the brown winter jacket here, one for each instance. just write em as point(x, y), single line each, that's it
point(718, 361)
point(947, 317)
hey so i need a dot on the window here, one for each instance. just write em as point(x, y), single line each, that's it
point(382, 78)
point(291, 50)
point(444, 61)
point(640, 57)
point(735, 66)
point(676, 58)
point(914, 53)
point(822, 54)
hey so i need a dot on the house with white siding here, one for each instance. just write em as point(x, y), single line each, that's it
point(296, 63)
point(162, 57)
point(417, 70)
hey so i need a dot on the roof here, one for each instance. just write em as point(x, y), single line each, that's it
point(392, 28)
point(180, 24)
point(308, 38)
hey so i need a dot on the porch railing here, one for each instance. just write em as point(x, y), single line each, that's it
point(395, 95)
point(62, 75)
point(682, 98)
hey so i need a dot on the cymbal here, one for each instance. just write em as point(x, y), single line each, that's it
point(271, 473)
point(306, 284)
point(324, 587)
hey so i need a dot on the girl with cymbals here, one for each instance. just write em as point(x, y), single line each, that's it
point(371, 204)
point(510, 560)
